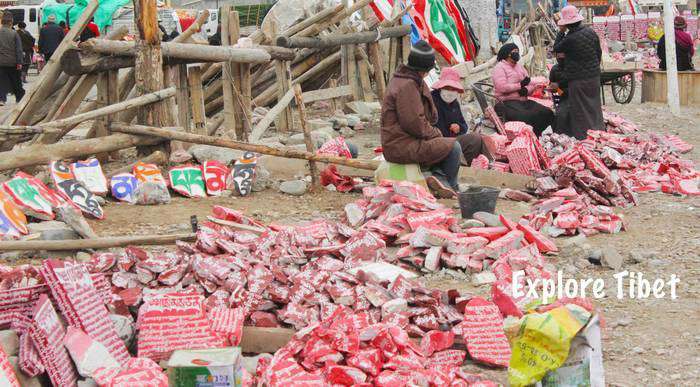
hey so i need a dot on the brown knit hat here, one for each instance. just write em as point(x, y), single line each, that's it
point(679, 22)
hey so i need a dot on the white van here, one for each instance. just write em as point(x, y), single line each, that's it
point(29, 14)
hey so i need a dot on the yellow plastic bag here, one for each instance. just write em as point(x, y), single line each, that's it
point(655, 32)
point(542, 343)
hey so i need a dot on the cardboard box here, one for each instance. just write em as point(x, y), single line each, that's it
point(216, 367)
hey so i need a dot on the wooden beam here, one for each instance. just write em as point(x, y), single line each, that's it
point(182, 97)
point(228, 27)
point(143, 100)
point(313, 169)
point(44, 154)
point(244, 146)
point(197, 100)
point(334, 40)
point(378, 69)
point(326, 94)
point(193, 53)
point(271, 115)
point(95, 243)
point(40, 89)
point(284, 86)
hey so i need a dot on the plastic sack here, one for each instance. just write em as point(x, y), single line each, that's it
point(542, 343)
point(399, 172)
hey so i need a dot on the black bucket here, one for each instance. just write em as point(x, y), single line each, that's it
point(477, 198)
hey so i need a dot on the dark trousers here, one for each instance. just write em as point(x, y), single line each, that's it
point(472, 146)
point(529, 112)
point(10, 82)
point(448, 168)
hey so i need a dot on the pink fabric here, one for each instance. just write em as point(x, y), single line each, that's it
point(684, 39)
point(449, 77)
point(506, 81)
point(569, 15)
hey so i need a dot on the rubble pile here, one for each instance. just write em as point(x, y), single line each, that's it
point(345, 349)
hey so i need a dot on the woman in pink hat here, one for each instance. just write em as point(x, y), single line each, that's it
point(446, 92)
point(582, 54)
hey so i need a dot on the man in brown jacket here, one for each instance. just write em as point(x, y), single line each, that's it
point(408, 133)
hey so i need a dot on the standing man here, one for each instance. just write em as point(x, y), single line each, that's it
point(90, 31)
point(408, 131)
point(50, 37)
point(11, 58)
point(581, 48)
point(27, 48)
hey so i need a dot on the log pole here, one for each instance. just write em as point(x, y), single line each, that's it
point(95, 243)
point(244, 146)
point(313, 169)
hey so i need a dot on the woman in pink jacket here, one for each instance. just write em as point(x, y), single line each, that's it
point(512, 86)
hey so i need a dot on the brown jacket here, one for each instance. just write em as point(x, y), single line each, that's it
point(408, 117)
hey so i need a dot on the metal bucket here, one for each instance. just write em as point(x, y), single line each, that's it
point(477, 198)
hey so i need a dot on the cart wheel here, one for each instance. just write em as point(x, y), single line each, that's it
point(623, 88)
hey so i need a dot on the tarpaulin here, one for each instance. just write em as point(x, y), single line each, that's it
point(70, 13)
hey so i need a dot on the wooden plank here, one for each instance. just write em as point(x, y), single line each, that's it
point(326, 94)
point(246, 99)
point(182, 98)
point(199, 120)
point(365, 83)
point(313, 169)
point(271, 115)
point(235, 34)
point(227, 68)
point(95, 243)
point(100, 124)
point(352, 78)
point(378, 69)
point(39, 90)
point(284, 86)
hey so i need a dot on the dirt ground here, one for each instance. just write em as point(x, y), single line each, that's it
point(646, 342)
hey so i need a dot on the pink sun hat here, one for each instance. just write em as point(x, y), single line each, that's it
point(569, 15)
point(449, 77)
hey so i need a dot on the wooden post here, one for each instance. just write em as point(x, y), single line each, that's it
point(183, 98)
point(246, 99)
point(235, 33)
point(199, 120)
point(100, 124)
point(393, 55)
point(307, 135)
point(378, 68)
point(671, 64)
point(335, 102)
point(363, 72)
point(351, 70)
point(149, 63)
point(284, 120)
point(405, 48)
point(227, 26)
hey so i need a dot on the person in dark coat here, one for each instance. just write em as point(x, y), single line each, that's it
point(511, 84)
point(451, 121)
point(50, 37)
point(408, 132)
point(581, 46)
point(559, 86)
point(11, 58)
point(685, 48)
point(27, 48)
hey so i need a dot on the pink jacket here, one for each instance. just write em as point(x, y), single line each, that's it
point(506, 81)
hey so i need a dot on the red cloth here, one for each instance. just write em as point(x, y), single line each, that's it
point(93, 27)
point(683, 38)
point(342, 183)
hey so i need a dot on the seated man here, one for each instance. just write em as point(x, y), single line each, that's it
point(685, 47)
point(451, 122)
point(559, 86)
point(408, 133)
